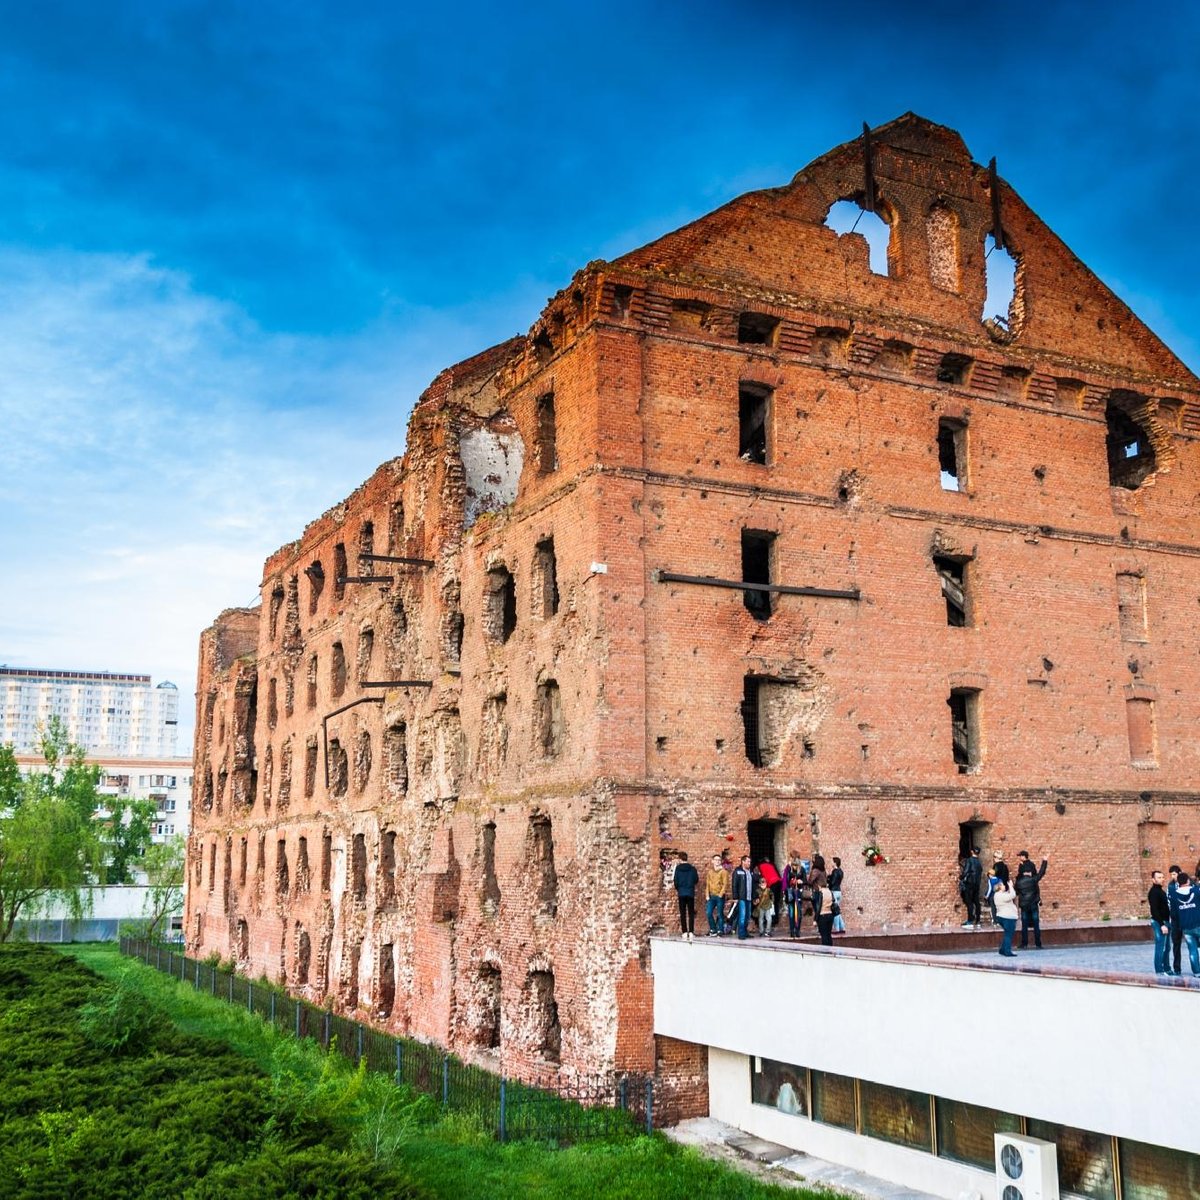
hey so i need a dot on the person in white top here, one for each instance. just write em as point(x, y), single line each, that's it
point(1002, 893)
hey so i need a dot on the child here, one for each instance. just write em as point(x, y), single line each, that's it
point(764, 910)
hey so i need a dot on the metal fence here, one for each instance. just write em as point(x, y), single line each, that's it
point(565, 1110)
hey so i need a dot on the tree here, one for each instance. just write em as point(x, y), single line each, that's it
point(164, 865)
point(56, 839)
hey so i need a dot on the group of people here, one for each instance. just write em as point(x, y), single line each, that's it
point(737, 895)
point(1008, 897)
point(1175, 918)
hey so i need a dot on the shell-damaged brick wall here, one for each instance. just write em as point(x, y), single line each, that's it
point(436, 769)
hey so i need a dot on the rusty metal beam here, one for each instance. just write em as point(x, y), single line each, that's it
point(994, 185)
point(740, 585)
point(396, 683)
point(396, 558)
point(870, 196)
point(337, 712)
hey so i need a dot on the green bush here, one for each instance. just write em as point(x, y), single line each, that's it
point(120, 1018)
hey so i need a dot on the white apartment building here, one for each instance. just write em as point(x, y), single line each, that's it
point(109, 715)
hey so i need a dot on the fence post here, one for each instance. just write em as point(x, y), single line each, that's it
point(297, 1018)
point(445, 1081)
point(231, 975)
point(503, 1108)
point(214, 980)
point(399, 1062)
point(250, 995)
point(328, 1024)
point(649, 1105)
point(272, 1008)
point(621, 1093)
point(197, 974)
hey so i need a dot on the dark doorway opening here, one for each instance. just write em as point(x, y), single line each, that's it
point(974, 833)
point(767, 840)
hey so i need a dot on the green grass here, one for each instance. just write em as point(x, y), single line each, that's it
point(443, 1155)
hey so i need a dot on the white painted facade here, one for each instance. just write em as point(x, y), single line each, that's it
point(1098, 1053)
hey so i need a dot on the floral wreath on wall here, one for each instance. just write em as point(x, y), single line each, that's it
point(873, 855)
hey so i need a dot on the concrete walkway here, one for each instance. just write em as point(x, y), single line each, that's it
point(780, 1165)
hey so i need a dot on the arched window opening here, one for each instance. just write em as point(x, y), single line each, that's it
point(849, 217)
point(1000, 272)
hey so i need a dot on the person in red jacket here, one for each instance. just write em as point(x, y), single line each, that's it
point(773, 880)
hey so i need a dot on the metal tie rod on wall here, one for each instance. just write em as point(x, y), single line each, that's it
point(395, 683)
point(344, 579)
point(394, 558)
point(740, 585)
point(337, 712)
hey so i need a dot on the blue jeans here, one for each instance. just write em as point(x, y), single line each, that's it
point(743, 917)
point(715, 905)
point(1162, 948)
point(1009, 925)
point(1191, 939)
point(1030, 917)
point(795, 911)
point(839, 926)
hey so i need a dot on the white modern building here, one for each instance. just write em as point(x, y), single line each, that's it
point(107, 714)
point(908, 1066)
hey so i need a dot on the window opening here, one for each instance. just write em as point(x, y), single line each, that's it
point(622, 300)
point(954, 369)
point(896, 356)
point(545, 579)
point(339, 570)
point(952, 454)
point(550, 726)
point(282, 877)
point(691, 315)
point(310, 767)
point(366, 648)
point(489, 1005)
point(767, 841)
point(849, 217)
point(395, 760)
point(547, 434)
point(385, 884)
point(303, 956)
point(830, 345)
point(491, 885)
point(547, 1031)
point(362, 760)
point(1131, 456)
point(311, 694)
point(756, 329)
point(339, 768)
point(1000, 272)
point(952, 572)
point(260, 863)
point(272, 703)
point(212, 867)
point(303, 878)
point(541, 861)
point(285, 776)
point(277, 597)
point(386, 998)
point(494, 735)
point(353, 956)
point(316, 585)
point(242, 856)
point(326, 860)
point(501, 608)
point(754, 413)
point(366, 538)
point(756, 568)
point(358, 867)
point(337, 670)
point(396, 527)
point(964, 727)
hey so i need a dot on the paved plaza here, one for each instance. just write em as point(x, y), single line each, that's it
point(1126, 958)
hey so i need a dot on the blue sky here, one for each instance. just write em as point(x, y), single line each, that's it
point(237, 240)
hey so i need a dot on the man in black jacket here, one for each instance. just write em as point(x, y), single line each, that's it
point(743, 893)
point(1176, 933)
point(969, 881)
point(1029, 898)
point(1160, 920)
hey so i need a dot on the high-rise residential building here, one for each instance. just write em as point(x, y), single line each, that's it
point(109, 715)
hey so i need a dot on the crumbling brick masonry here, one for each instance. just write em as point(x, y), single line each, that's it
point(755, 538)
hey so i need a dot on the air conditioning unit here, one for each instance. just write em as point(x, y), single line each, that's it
point(1026, 1168)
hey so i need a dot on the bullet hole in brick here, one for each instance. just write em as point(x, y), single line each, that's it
point(720, 743)
point(954, 369)
point(267, 778)
point(491, 885)
point(941, 236)
point(544, 876)
point(547, 434)
point(303, 872)
point(337, 670)
point(366, 649)
point(547, 1033)
point(545, 579)
point(243, 854)
point(1134, 666)
point(691, 315)
point(810, 749)
point(339, 768)
point(277, 600)
point(1131, 454)
point(488, 1029)
point(339, 571)
point(366, 539)
point(964, 728)
point(1039, 473)
point(396, 527)
point(493, 748)
point(282, 877)
point(660, 744)
point(358, 867)
point(754, 419)
point(1143, 746)
point(865, 750)
point(352, 957)
point(551, 730)
point(272, 703)
point(1131, 606)
point(326, 861)
point(757, 552)
point(1004, 302)
point(500, 605)
point(385, 998)
point(953, 575)
point(303, 956)
point(952, 454)
point(395, 761)
point(622, 300)
point(1047, 665)
point(310, 767)
point(848, 217)
point(311, 683)
point(362, 760)
point(757, 329)
point(316, 585)
point(285, 776)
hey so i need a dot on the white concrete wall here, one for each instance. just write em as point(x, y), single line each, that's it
point(1101, 1056)
point(729, 1101)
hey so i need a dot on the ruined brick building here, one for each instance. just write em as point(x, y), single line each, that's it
point(749, 541)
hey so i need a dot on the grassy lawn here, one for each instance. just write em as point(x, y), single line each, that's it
point(272, 1117)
